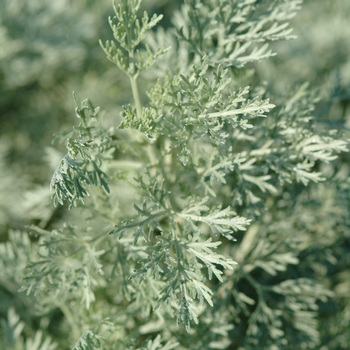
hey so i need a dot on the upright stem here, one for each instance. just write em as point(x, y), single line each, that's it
point(135, 94)
point(70, 319)
point(153, 157)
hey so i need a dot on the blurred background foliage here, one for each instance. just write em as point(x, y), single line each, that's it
point(50, 48)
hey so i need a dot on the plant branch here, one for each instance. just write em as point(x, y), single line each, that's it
point(135, 93)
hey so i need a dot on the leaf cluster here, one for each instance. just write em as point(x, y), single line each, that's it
point(81, 166)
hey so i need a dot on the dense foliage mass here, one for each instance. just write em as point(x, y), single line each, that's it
point(204, 205)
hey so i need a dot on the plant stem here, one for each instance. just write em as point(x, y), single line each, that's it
point(153, 157)
point(135, 93)
point(70, 319)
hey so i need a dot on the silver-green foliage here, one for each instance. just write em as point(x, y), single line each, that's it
point(206, 161)
point(12, 329)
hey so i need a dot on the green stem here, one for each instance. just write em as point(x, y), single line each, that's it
point(153, 157)
point(70, 319)
point(135, 93)
point(167, 171)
